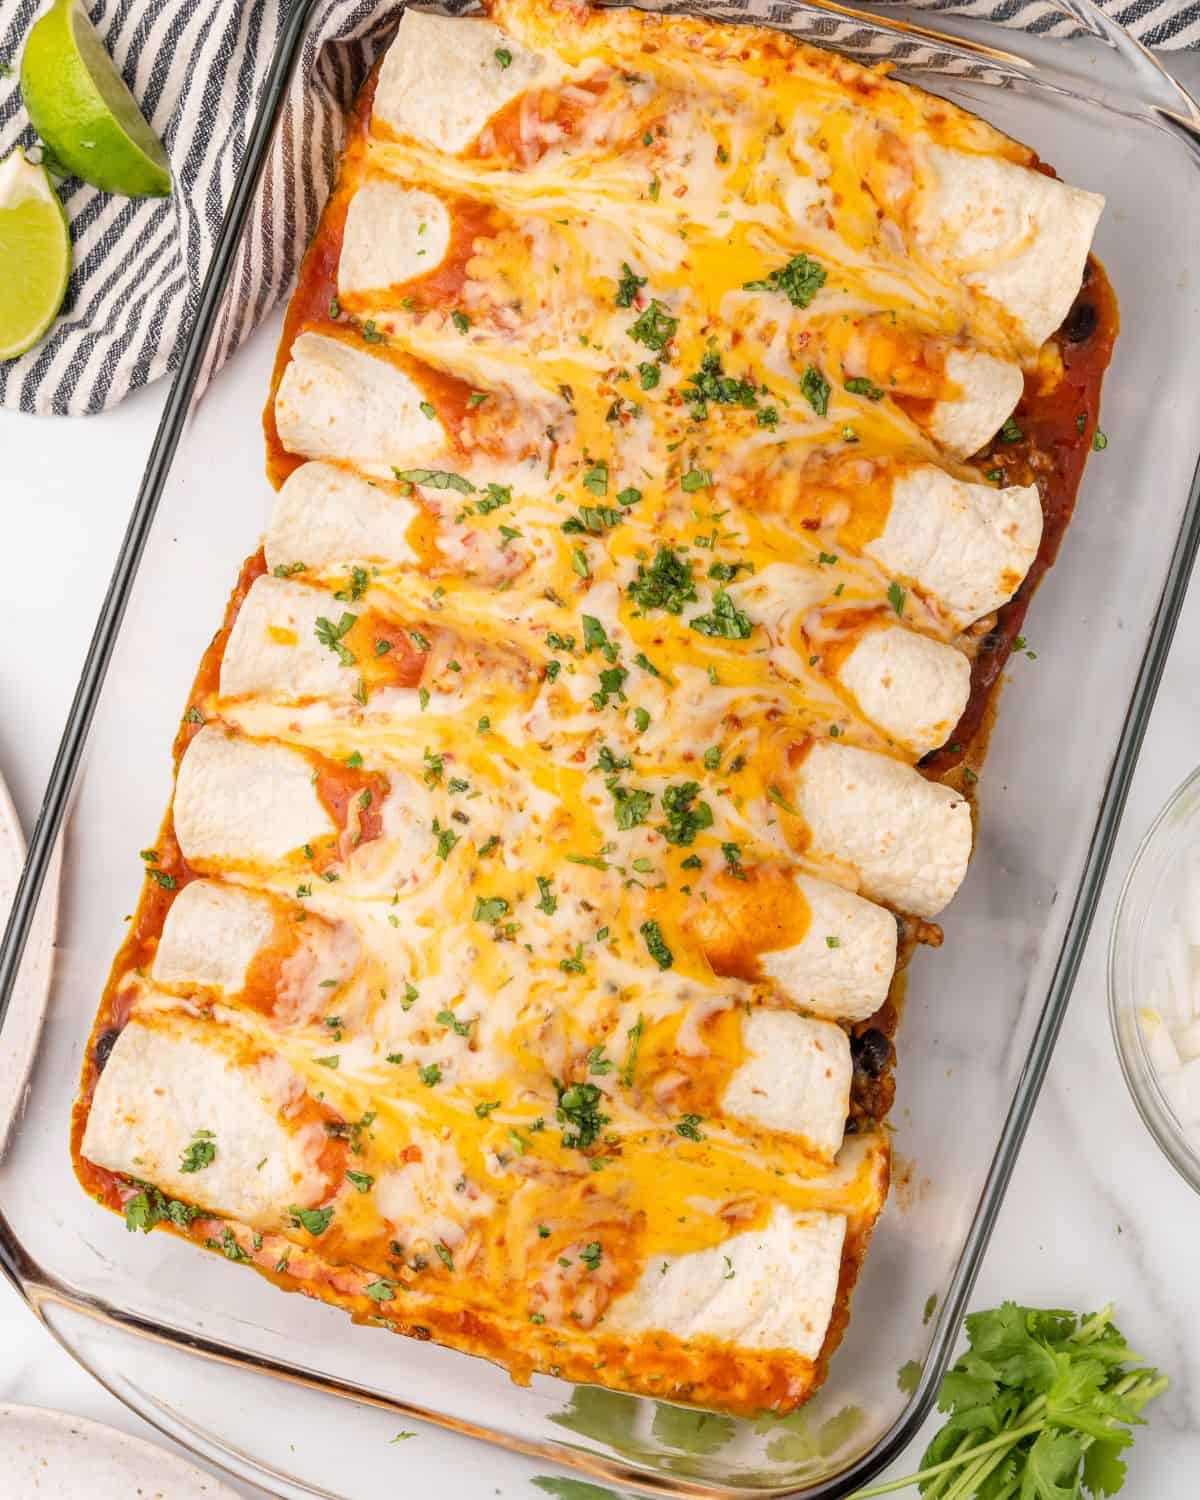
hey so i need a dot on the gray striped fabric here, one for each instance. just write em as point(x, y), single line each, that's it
point(197, 67)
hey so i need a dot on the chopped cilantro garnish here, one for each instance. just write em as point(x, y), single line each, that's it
point(859, 385)
point(656, 945)
point(696, 479)
point(148, 1208)
point(331, 635)
point(712, 384)
point(435, 479)
point(724, 620)
point(649, 375)
point(579, 1113)
point(655, 328)
point(596, 479)
point(448, 1018)
point(315, 1220)
point(628, 285)
point(635, 1036)
point(815, 390)
point(799, 280)
point(489, 909)
point(547, 900)
point(593, 519)
point(631, 806)
point(446, 840)
point(200, 1153)
point(685, 816)
point(495, 495)
point(597, 1062)
point(665, 584)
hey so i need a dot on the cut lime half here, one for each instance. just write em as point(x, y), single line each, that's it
point(35, 254)
point(81, 108)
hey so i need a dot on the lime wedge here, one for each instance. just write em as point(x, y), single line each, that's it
point(35, 254)
point(81, 108)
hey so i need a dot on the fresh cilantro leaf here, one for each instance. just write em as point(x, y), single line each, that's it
point(489, 909)
point(435, 479)
point(315, 1220)
point(331, 635)
point(1038, 1408)
point(631, 806)
point(656, 944)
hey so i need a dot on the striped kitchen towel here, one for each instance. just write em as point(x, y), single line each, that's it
point(198, 67)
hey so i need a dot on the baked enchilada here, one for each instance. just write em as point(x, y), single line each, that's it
point(669, 427)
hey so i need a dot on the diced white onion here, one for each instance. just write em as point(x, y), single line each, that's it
point(1169, 1014)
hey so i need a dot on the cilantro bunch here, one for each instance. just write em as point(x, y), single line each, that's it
point(1041, 1408)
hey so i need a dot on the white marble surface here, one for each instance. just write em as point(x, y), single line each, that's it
point(1093, 1213)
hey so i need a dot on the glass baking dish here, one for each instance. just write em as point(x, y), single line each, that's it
point(197, 1345)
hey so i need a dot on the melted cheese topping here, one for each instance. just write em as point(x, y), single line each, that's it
point(592, 496)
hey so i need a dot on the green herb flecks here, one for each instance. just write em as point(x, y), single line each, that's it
point(724, 620)
point(655, 328)
point(799, 280)
point(686, 817)
point(815, 390)
point(656, 944)
point(200, 1154)
point(578, 1112)
point(665, 584)
point(331, 635)
point(628, 286)
point(710, 383)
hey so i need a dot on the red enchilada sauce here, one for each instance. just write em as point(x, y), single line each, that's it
point(1046, 442)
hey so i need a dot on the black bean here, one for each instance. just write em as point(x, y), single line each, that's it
point(1080, 323)
point(105, 1042)
point(870, 1051)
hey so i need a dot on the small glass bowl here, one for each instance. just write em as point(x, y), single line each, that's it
point(1144, 906)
